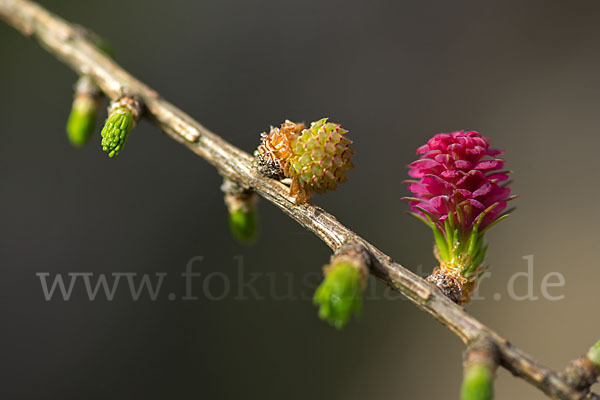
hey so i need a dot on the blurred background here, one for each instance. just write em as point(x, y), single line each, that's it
point(392, 72)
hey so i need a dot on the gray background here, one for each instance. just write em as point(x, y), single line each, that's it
point(393, 73)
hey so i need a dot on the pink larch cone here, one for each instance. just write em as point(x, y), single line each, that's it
point(459, 191)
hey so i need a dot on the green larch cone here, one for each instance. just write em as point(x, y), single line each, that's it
point(321, 155)
point(310, 160)
point(340, 294)
point(82, 120)
point(478, 383)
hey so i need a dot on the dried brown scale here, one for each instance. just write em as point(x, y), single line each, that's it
point(447, 284)
point(275, 148)
point(452, 284)
point(310, 160)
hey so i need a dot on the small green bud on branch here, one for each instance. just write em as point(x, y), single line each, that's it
point(584, 371)
point(122, 117)
point(84, 112)
point(594, 354)
point(477, 383)
point(480, 363)
point(340, 294)
point(242, 208)
point(87, 99)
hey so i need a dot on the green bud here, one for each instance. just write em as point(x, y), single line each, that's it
point(82, 120)
point(244, 225)
point(477, 383)
point(594, 354)
point(84, 111)
point(119, 123)
point(340, 294)
point(242, 208)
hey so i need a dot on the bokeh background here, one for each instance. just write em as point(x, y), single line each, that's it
point(393, 73)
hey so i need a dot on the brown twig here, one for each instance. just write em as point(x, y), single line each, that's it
point(76, 50)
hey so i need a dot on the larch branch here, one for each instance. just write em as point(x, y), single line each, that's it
point(80, 53)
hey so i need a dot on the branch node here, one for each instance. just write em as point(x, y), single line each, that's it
point(483, 351)
point(355, 253)
point(131, 102)
point(242, 208)
point(583, 372)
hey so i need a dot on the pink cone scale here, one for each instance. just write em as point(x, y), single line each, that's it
point(459, 191)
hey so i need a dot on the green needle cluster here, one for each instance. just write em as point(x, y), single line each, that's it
point(82, 120)
point(116, 130)
point(242, 208)
point(478, 383)
point(340, 294)
point(243, 223)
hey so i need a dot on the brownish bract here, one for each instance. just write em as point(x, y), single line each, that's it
point(275, 148)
